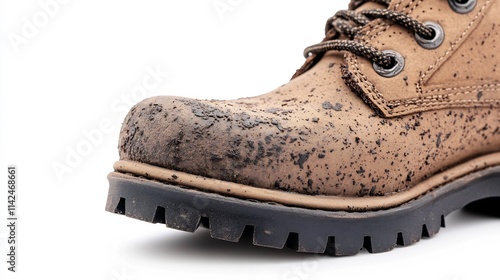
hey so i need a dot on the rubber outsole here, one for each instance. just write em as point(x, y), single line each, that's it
point(273, 225)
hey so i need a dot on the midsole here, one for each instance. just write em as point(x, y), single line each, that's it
point(464, 171)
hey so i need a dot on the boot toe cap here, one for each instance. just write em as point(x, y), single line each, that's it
point(208, 138)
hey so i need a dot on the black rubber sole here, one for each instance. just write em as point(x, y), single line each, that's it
point(306, 230)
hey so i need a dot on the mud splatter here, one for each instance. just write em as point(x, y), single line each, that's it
point(302, 159)
point(328, 106)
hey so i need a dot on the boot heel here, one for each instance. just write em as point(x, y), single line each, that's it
point(488, 206)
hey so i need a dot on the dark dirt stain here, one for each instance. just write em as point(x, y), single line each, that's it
point(302, 159)
point(479, 95)
point(249, 122)
point(497, 131)
point(251, 144)
point(361, 170)
point(215, 157)
point(405, 78)
point(409, 176)
point(261, 151)
point(328, 106)
point(269, 139)
point(202, 110)
point(236, 141)
point(277, 184)
point(233, 154)
point(438, 140)
point(153, 110)
point(277, 124)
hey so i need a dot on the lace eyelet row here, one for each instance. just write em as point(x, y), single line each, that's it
point(458, 6)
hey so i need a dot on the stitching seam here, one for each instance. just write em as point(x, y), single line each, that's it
point(425, 102)
point(369, 88)
point(444, 97)
point(451, 48)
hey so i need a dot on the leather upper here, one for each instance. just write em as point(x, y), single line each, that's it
point(462, 72)
point(315, 135)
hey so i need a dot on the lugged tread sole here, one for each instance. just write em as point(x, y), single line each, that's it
point(336, 233)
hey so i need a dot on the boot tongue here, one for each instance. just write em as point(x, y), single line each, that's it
point(358, 5)
point(370, 5)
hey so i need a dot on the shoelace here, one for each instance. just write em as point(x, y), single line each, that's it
point(342, 24)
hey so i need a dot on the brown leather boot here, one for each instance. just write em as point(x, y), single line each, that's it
point(392, 123)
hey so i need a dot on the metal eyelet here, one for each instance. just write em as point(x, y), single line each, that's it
point(436, 40)
point(395, 69)
point(462, 6)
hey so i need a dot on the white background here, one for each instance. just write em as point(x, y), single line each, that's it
point(84, 64)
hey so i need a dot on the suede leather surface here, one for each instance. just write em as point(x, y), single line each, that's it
point(460, 73)
point(316, 136)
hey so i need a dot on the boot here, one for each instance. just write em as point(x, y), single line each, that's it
point(392, 123)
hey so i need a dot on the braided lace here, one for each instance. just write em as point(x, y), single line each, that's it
point(348, 23)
